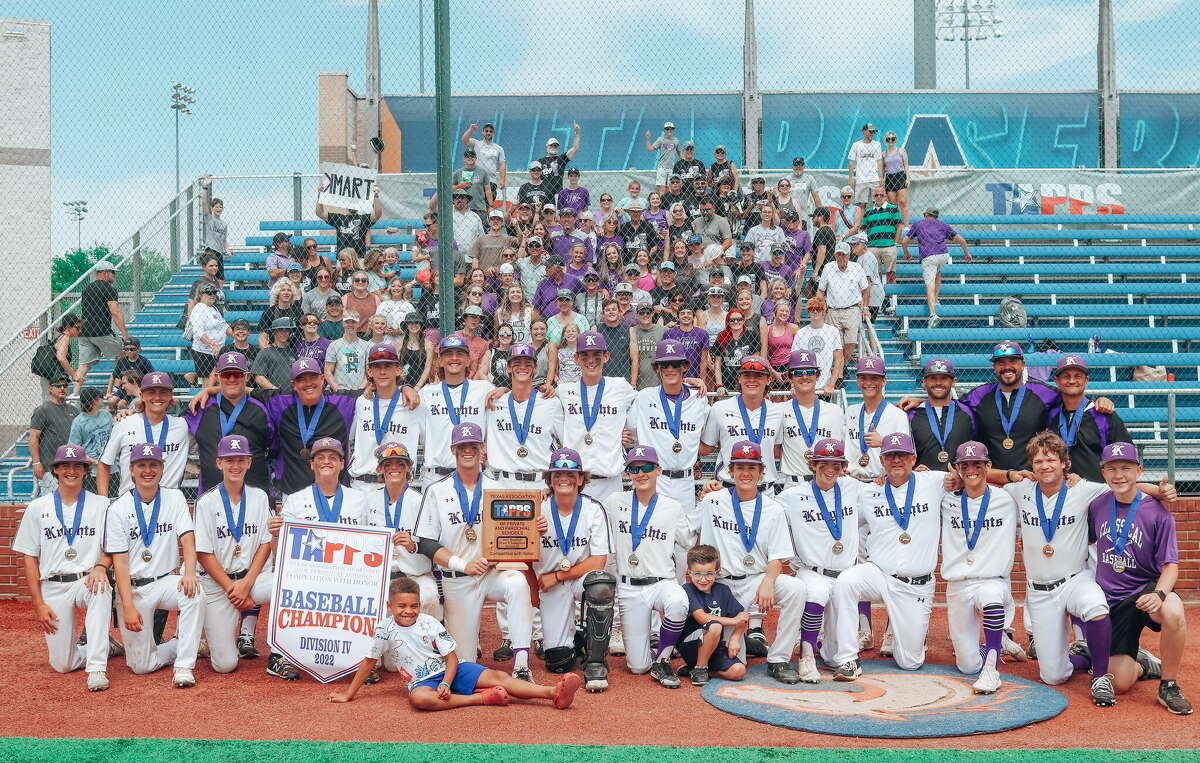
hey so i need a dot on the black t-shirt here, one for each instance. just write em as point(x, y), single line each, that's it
point(1085, 453)
point(687, 169)
point(250, 351)
point(750, 209)
point(351, 230)
point(616, 338)
point(753, 270)
point(642, 236)
point(720, 601)
point(272, 312)
point(962, 430)
point(824, 237)
point(251, 423)
point(536, 196)
point(662, 295)
point(679, 232)
point(97, 321)
point(554, 168)
point(122, 364)
point(429, 306)
point(1030, 420)
point(669, 198)
point(720, 170)
point(732, 352)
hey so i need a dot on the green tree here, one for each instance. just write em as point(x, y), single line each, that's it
point(67, 268)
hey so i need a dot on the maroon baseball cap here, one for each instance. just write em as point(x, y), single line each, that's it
point(641, 453)
point(382, 353)
point(970, 452)
point(669, 350)
point(565, 460)
point(802, 359)
point(326, 443)
point(145, 451)
point(522, 350)
point(157, 380)
point(1070, 361)
point(1119, 451)
point(897, 442)
point(69, 454)
point(1007, 350)
point(233, 361)
point(937, 366)
point(829, 449)
point(745, 452)
point(870, 365)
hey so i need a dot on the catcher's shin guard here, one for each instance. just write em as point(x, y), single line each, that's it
point(599, 593)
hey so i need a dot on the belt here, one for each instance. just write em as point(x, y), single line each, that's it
point(796, 479)
point(640, 581)
point(139, 582)
point(847, 307)
point(1051, 585)
point(735, 577)
point(442, 470)
point(453, 574)
point(372, 478)
point(676, 474)
point(922, 580)
point(399, 574)
point(67, 578)
point(238, 575)
point(522, 476)
point(827, 573)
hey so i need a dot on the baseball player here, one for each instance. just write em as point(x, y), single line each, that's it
point(644, 528)
point(571, 569)
point(233, 545)
point(805, 419)
point(231, 411)
point(445, 406)
point(382, 418)
point(979, 535)
point(746, 416)
point(144, 531)
point(901, 526)
point(940, 423)
point(867, 422)
point(449, 533)
point(154, 424)
point(61, 537)
point(520, 428)
point(325, 500)
point(823, 517)
point(748, 527)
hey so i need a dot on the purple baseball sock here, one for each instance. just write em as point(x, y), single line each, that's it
point(1079, 661)
point(810, 624)
point(864, 610)
point(668, 637)
point(1099, 641)
point(993, 629)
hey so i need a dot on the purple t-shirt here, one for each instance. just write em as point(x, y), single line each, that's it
point(577, 199)
point(693, 341)
point(314, 350)
point(1151, 545)
point(931, 235)
point(801, 243)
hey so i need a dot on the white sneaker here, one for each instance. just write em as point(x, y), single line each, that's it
point(616, 643)
point(1011, 649)
point(988, 681)
point(933, 322)
point(865, 639)
point(97, 680)
point(807, 668)
point(888, 647)
point(183, 678)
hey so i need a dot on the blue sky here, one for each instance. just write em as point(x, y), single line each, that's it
point(255, 65)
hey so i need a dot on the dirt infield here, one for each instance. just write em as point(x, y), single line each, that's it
point(249, 704)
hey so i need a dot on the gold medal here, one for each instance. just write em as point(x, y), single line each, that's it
point(147, 556)
point(522, 451)
point(749, 560)
point(677, 447)
point(808, 456)
point(970, 558)
point(1048, 550)
point(864, 460)
point(943, 456)
point(587, 438)
point(565, 564)
point(905, 538)
point(1118, 564)
point(633, 559)
point(470, 533)
point(838, 547)
point(1007, 443)
point(395, 552)
point(70, 553)
point(237, 549)
point(305, 453)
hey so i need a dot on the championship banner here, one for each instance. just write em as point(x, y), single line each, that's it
point(330, 590)
point(347, 186)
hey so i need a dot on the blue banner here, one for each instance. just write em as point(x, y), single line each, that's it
point(1160, 129)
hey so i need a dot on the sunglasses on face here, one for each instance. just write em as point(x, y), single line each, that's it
point(847, 195)
point(804, 372)
point(231, 375)
point(309, 323)
point(359, 280)
point(891, 139)
point(59, 385)
point(755, 366)
point(565, 463)
point(311, 246)
point(732, 320)
point(675, 364)
point(641, 469)
point(323, 278)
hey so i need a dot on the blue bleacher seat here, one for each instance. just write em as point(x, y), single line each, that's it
point(383, 222)
point(1121, 219)
point(1136, 289)
point(377, 239)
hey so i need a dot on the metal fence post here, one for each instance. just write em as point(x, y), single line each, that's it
point(137, 271)
point(297, 211)
point(191, 222)
point(174, 211)
point(1171, 436)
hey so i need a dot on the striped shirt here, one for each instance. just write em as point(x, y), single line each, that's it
point(880, 224)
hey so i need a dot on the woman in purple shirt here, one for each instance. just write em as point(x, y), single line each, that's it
point(694, 341)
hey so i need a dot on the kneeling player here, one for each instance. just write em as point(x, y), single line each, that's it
point(420, 649)
point(706, 649)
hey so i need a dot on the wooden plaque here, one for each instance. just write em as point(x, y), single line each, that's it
point(510, 525)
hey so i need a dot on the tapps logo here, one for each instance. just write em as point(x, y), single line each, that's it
point(304, 544)
point(1055, 198)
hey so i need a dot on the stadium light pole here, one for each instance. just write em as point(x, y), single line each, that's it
point(181, 101)
point(78, 210)
point(445, 159)
point(966, 20)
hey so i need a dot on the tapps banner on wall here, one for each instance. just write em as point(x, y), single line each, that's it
point(330, 591)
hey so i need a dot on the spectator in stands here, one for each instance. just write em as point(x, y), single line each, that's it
point(473, 296)
point(516, 313)
point(590, 302)
point(674, 193)
point(750, 210)
point(643, 340)
point(49, 427)
point(353, 229)
point(694, 340)
point(798, 240)
point(554, 165)
point(347, 264)
point(239, 330)
point(729, 198)
point(429, 305)
point(395, 306)
point(586, 232)
point(825, 342)
point(494, 367)
point(475, 181)
point(319, 296)
point(132, 357)
point(639, 234)
point(1076, 419)
point(722, 168)
point(295, 274)
point(311, 345)
point(520, 221)
point(311, 260)
point(780, 333)
point(100, 307)
point(127, 395)
point(546, 293)
point(714, 231)
point(346, 358)
point(712, 317)
point(61, 355)
point(847, 292)
point(90, 429)
point(209, 330)
point(667, 146)
point(331, 317)
point(699, 191)
point(610, 267)
point(688, 168)
point(467, 225)
point(489, 154)
point(804, 189)
point(777, 291)
point(881, 225)
point(609, 235)
point(485, 252)
point(574, 196)
point(783, 199)
point(779, 274)
point(532, 264)
point(472, 318)
point(751, 306)
point(746, 266)
point(279, 258)
point(655, 214)
point(376, 270)
point(577, 265)
point(377, 330)
point(214, 234)
point(733, 343)
point(686, 276)
point(632, 277)
point(284, 302)
point(361, 299)
point(563, 366)
point(633, 190)
point(895, 175)
point(766, 234)
point(663, 289)
point(414, 352)
point(867, 260)
point(645, 270)
point(931, 235)
point(824, 242)
point(846, 211)
point(541, 347)
point(209, 276)
point(565, 316)
point(535, 193)
point(865, 170)
point(624, 296)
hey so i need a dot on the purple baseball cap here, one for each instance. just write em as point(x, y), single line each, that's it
point(453, 342)
point(641, 453)
point(871, 365)
point(1119, 451)
point(802, 359)
point(326, 443)
point(745, 452)
point(669, 350)
point(69, 454)
point(829, 449)
point(145, 451)
point(390, 450)
point(233, 445)
point(466, 433)
point(938, 366)
point(897, 442)
point(971, 451)
point(305, 366)
point(233, 361)
point(382, 353)
point(565, 460)
point(157, 380)
point(754, 364)
point(1070, 361)
point(591, 340)
point(522, 350)
point(1007, 350)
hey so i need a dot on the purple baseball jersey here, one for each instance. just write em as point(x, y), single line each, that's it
point(1151, 545)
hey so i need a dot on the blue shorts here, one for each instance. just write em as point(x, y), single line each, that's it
point(720, 659)
point(464, 681)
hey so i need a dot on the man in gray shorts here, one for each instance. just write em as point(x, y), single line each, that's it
point(101, 309)
point(847, 291)
point(931, 235)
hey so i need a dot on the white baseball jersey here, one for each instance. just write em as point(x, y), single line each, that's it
point(725, 427)
point(718, 527)
point(666, 527)
point(650, 427)
point(410, 510)
point(501, 435)
point(419, 651)
point(811, 536)
point(123, 534)
point(404, 427)
point(301, 506)
point(41, 535)
point(604, 456)
point(883, 542)
point(131, 431)
point(213, 533)
point(1070, 541)
point(829, 423)
point(435, 417)
point(891, 421)
point(996, 546)
point(442, 520)
point(590, 539)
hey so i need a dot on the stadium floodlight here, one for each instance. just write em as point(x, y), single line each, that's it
point(78, 210)
point(181, 101)
point(966, 21)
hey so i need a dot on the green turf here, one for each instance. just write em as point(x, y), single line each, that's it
point(238, 751)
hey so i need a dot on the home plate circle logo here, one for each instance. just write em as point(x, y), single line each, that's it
point(935, 701)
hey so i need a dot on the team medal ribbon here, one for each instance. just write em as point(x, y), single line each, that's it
point(865, 458)
point(324, 512)
point(470, 509)
point(1050, 525)
point(381, 426)
point(1121, 539)
point(228, 422)
point(308, 427)
point(70, 532)
point(638, 529)
point(392, 519)
point(451, 409)
point(753, 435)
point(902, 517)
point(748, 535)
point(1070, 429)
point(972, 533)
point(148, 530)
point(521, 429)
point(590, 412)
point(566, 539)
point(834, 522)
point(941, 435)
point(235, 528)
point(162, 433)
point(1007, 421)
point(674, 419)
point(807, 432)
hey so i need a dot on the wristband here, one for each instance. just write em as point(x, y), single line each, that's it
point(443, 683)
point(457, 563)
point(1161, 594)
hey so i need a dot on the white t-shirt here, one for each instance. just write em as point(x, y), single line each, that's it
point(41, 535)
point(123, 533)
point(829, 423)
point(650, 427)
point(213, 533)
point(764, 239)
point(488, 156)
point(719, 528)
point(590, 538)
point(604, 457)
point(666, 527)
point(812, 538)
point(467, 229)
point(404, 427)
point(410, 510)
point(442, 519)
point(891, 421)
point(501, 434)
point(419, 650)
point(725, 427)
point(436, 421)
point(843, 288)
point(996, 546)
point(822, 341)
point(883, 532)
point(132, 431)
point(1070, 538)
point(866, 155)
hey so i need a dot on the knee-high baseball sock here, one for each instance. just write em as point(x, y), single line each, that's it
point(1079, 662)
point(249, 621)
point(993, 632)
point(668, 637)
point(864, 616)
point(1099, 641)
point(1077, 628)
point(810, 626)
point(520, 657)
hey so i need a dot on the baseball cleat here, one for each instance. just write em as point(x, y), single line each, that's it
point(661, 672)
point(504, 652)
point(616, 642)
point(564, 690)
point(115, 648)
point(988, 681)
point(699, 675)
point(1103, 693)
point(887, 647)
point(1171, 697)
point(865, 640)
point(97, 680)
point(495, 695)
point(756, 643)
point(595, 674)
point(1081, 648)
point(807, 668)
point(539, 647)
point(246, 648)
point(202, 649)
point(596, 685)
point(783, 672)
point(1011, 649)
point(372, 677)
point(1151, 665)
point(523, 673)
point(183, 678)
point(847, 671)
point(280, 668)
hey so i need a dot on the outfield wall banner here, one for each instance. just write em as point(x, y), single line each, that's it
point(330, 591)
point(347, 186)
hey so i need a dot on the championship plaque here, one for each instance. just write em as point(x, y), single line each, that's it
point(510, 531)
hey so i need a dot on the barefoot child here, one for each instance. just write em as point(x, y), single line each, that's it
point(420, 649)
point(712, 608)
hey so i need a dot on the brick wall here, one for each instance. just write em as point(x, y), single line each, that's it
point(1187, 517)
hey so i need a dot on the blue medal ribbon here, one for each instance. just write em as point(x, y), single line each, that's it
point(808, 433)
point(147, 529)
point(902, 517)
point(308, 427)
point(673, 419)
point(1050, 525)
point(834, 522)
point(752, 434)
point(228, 422)
point(591, 412)
point(162, 433)
point(235, 528)
point(941, 435)
point(521, 429)
point(1007, 421)
point(381, 427)
point(748, 535)
point(470, 509)
point(862, 430)
point(972, 532)
point(73, 530)
point(566, 539)
point(324, 513)
point(392, 520)
point(638, 529)
point(1070, 429)
point(1121, 539)
point(451, 409)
